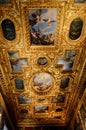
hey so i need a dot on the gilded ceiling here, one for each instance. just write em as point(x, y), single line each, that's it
point(42, 50)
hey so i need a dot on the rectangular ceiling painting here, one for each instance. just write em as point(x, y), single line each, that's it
point(42, 26)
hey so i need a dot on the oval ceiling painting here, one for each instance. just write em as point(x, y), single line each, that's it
point(8, 29)
point(75, 29)
point(80, 1)
point(42, 82)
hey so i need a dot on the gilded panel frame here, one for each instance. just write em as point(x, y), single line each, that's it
point(26, 7)
point(80, 14)
point(41, 111)
point(3, 40)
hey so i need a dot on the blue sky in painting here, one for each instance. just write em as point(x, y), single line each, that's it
point(46, 15)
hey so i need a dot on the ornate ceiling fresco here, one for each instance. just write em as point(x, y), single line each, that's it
point(42, 58)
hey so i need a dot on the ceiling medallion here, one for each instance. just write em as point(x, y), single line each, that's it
point(42, 82)
point(42, 61)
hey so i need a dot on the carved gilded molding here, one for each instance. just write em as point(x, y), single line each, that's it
point(43, 102)
point(73, 14)
point(25, 11)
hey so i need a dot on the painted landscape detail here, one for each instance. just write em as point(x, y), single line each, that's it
point(68, 61)
point(19, 83)
point(16, 62)
point(41, 109)
point(24, 100)
point(59, 99)
point(64, 83)
point(42, 26)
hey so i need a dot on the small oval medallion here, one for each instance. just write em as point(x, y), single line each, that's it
point(42, 61)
